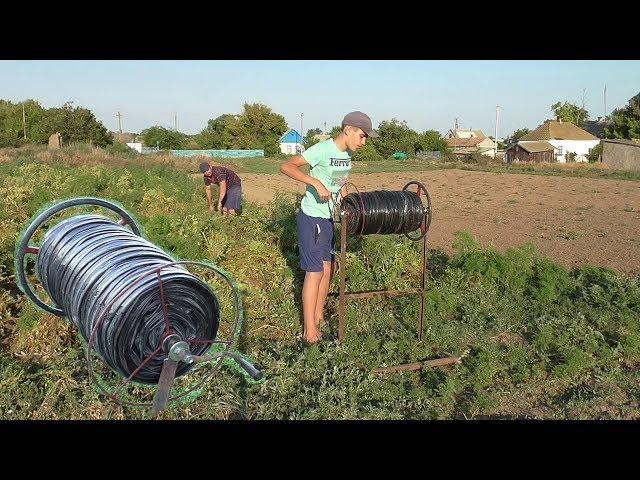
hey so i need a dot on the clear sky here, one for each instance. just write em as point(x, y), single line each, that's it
point(428, 94)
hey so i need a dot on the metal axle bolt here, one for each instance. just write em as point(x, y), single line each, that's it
point(180, 352)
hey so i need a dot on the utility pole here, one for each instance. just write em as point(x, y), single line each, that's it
point(455, 126)
point(175, 120)
point(119, 125)
point(325, 128)
point(24, 122)
point(495, 149)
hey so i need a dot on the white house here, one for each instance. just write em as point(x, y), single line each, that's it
point(137, 146)
point(291, 143)
point(565, 137)
point(320, 137)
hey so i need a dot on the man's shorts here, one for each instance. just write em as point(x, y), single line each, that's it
point(233, 198)
point(315, 240)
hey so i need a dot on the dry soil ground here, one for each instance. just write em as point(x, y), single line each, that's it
point(570, 220)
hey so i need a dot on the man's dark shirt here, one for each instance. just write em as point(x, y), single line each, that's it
point(221, 173)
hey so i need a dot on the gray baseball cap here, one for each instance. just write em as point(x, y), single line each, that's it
point(360, 120)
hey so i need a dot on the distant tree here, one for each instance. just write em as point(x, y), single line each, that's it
point(568, 112)
point(395, 136)
point(11, 124)
point(217, 134)
point(515, 136)
point(335, 131)
point(430, 141)
point(75, 124)
point(257, 127)
point(165, 138)
point(308, 139)
point(190, 142)
point(625, 121)
point(368, 153)
point(595, 153)
point(501, 145)
point(11, 128)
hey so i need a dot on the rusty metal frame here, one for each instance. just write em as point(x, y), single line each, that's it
point(343, 295)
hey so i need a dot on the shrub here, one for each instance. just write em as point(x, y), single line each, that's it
point(479, 159)
point(120, 149)
point(368, 153)
point(594, 154)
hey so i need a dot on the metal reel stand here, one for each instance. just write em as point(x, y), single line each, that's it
point(343, 295)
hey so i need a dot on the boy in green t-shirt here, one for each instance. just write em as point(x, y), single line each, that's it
point(330, 162)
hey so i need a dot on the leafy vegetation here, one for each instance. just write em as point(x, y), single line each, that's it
point(257, 127)
point(625, 121)
point(309, 141)
point(515, 136)
point(75, 124)
point(536, 340)
point(595, 153)
point(163, 138)
point(568, 112)
point(396, 136)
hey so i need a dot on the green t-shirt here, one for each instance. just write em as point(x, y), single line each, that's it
point(331, 167)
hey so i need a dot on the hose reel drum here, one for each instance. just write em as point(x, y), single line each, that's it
point(144, 314)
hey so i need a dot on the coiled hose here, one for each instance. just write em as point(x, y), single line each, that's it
point(86, 260)
point(383, 212)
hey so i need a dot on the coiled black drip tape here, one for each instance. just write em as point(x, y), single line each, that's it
point(383, 212)
point(87, 260)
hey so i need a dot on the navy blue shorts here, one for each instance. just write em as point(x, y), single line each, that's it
point(315, 240)
point(233, 198)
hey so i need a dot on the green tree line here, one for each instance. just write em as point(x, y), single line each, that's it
point(256, 127)
point(28, 123)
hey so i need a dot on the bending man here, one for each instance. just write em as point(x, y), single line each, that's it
point(230, 196)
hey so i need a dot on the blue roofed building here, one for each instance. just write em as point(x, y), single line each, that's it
point(291, 142)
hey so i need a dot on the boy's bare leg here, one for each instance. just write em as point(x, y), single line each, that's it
point(310, 295)
point(323, 290)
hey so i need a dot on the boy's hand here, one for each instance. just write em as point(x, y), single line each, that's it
point(323, 193)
